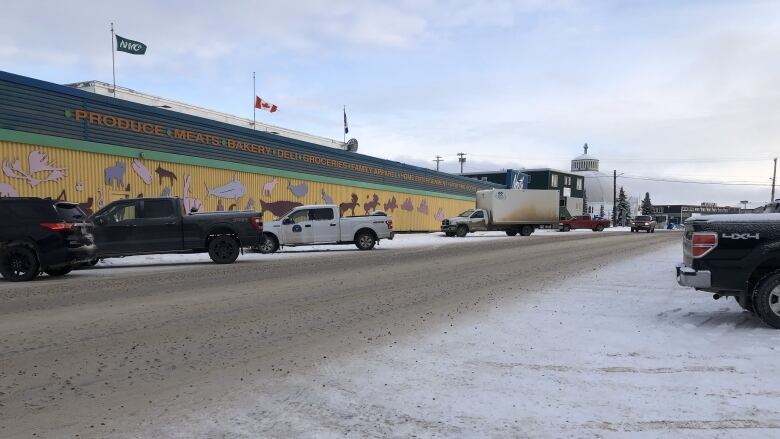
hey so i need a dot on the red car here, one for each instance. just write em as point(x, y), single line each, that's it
point(583, 222)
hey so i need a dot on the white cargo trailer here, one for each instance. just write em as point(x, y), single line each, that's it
point(511, 210)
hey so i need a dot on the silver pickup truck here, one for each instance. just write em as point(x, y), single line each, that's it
point(323, 224)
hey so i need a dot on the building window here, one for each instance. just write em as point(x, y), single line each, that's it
point(554, 180)
point(579, 185)
point(567, 181)
point(590, 209)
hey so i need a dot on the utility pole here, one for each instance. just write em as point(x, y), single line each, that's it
point(614, 198)
point(462, 160)
point(438, 160)
point(774, 175)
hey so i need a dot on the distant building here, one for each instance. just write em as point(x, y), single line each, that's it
point(599, 188)
point(678, 213)
point(510, 178)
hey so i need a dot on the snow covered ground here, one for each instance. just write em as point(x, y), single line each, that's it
point(618, 352)
point(403, 240)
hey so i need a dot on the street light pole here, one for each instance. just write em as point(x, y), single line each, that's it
point(462, 160)
point(614, 198)
point(774, 174)
point(438, 160)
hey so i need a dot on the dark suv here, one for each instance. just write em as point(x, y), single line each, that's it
point(643, 222)
point(38, 235)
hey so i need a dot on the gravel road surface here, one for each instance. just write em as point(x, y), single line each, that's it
point(119, 353)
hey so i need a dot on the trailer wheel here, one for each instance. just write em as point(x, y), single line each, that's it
point(766, 300)
point(223, 249)
point(19, 263)
point(526, 230)
point(461, 231)
point(600, 228)
point(511, 232)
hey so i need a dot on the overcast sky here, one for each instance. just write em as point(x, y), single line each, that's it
point(685, 90)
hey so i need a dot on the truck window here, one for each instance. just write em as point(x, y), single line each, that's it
point(466, 214)
point(325, 214)
point(121, 212)
point(158, 209)
point(478, 214)
point(69, 212)
point(300, 216)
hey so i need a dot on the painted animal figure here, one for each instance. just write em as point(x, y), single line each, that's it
point(220, 206)
point(6, 190)
point(232, 207)
point(298, 190)
point(79, 186)
point(326, 198)
point(407, 206)
point(164, 173)
point(269, 187)
point(142, 171)
point(343, 207)
point(115, 174)
point(423, 208)
point(391, 205)
point(87, 206)
point(440, 214)
point(62, 196)
point(250, 204)
point(166, 192)
point(278, 208)
point(190, 203)
point(371, 205)
point(101, 202)
point(233, 190)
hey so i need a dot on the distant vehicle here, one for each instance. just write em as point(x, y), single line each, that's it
point(38, 235)
point(773, 207)
point(643, 222)
point(583, 222)
point(323, 224)
point(162, 225)
point(510, 210)
point(735, 255)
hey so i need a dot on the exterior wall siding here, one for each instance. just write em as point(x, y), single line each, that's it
point(94, 179)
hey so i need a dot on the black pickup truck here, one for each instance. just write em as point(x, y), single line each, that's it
point(162, 225)
point(735, 255)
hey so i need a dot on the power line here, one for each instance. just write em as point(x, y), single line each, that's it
point(669, 180)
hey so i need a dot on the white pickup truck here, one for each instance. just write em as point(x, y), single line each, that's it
point(323, 224)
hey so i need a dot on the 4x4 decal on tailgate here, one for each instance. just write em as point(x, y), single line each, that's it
point(739, 235)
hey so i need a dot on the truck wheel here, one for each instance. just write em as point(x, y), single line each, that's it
point(19, 264)
point(449, 234)
point(62, 271)
point(269, 245)
point(461, 231)
point(365, 240)
point(766, 300)
point(527, 230)
point(600, 228)
point(745, 302)
point(511, 232)
point(224, 249)
point(566, 228)
point(652, 230)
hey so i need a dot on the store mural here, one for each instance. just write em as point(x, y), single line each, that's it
point(30, 170)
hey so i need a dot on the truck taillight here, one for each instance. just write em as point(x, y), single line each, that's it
point(58, 226)
point(703, 243)
point(257, 222)
point(389, 224)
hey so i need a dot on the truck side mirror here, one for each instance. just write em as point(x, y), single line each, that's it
point(287, 221)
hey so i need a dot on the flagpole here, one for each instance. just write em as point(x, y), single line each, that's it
point(254, 98)
point(113, 56)
point(344, 130)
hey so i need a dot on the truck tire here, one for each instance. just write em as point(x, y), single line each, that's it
point(766, 300)
point(449, 234)
point(565, 228)
point(365, 240)
point(224, 249)
point(652, 230)
point(526, 230)
point(600, 228)
point(269, 245)
point(511, 232)
point(19, 263)
point(746, 301)
point(62, 271)
point(461, 231)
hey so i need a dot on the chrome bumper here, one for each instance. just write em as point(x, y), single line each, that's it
point(688, 277)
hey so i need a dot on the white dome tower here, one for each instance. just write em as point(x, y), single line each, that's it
point(585, 162)
point(598, 186)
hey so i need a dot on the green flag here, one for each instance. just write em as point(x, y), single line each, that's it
point(130, 46)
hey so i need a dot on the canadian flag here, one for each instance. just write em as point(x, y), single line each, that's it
point(263, 105)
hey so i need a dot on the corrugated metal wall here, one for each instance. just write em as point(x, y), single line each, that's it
point(97, 179)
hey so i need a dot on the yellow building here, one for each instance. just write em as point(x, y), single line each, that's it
point(59, 142)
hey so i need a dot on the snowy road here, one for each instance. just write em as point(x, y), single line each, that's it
point(580, 335)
